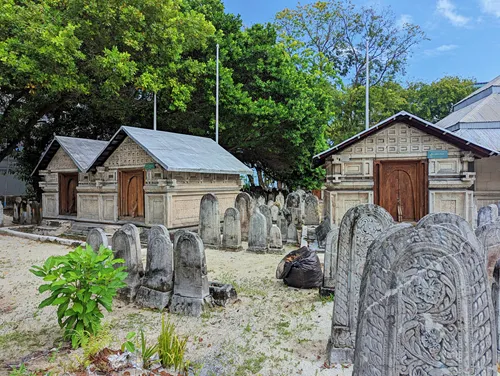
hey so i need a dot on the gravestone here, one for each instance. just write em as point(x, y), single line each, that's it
point(452, 222)
point(311, 210)
point(495, 294)
point(322, 231)
point(37, 215)
point(261, 200)
point(191, 291)
point(283, 225)
point(275, 212)
point(330, 262)
point(293, 201)
point(425, 307)
point(488, 236)
point(157, 282)
point(257, 234)
point(292, 237)
point(177, 235)
point(231, 233)
point(270, 203)
point(1, 214)
point(275, 241)
point(280, 200)
point(359, 227)
point(243, 203)
point(15, 214)
point(209, 228)
point(97, 237)
point(487, 214)
point(29, 213)
point(266, 212)
point(157, 230)
point(126, 245)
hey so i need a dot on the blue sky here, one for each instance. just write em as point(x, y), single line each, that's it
point(464, 34)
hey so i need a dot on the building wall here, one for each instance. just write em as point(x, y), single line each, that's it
point(10, 185)
point(350, 179)
point(49, 183)
point(487, 187)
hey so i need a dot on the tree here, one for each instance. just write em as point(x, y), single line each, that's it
point(65, 63)
point(339, 31)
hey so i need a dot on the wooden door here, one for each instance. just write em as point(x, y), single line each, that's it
point(401, 188)
point(132, 194)
point(67, 193)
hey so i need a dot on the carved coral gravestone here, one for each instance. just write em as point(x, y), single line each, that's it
point(231, 233)
point(330, 262)
point(97, 237)
point(257, 235)
point(209, 227)
point(489, 237)
point(243, 203)
point(425, 307)
point(487, 214)
point(359, 227)
point(311, 210)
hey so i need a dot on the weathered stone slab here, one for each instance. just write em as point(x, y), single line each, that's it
point(275, 212)
point(15, 213)
point(157, 230)
point(311, 210)
point(330, 262)
point(266, 212)
point(359, 227)
point(29, 213)
point(452, 222)
point(257, 235)
point(157, 282)
point(280, 200)
point(1, 214)
point(283, 225)
point(244, 204)
point(177, 235)
point(322, 231)
point(97, 237)
point(37, 213)
point(425, 307)
point(191, 292)
point(125, 243)
point(222, 293)
point(231, 233)
point(292, 236)
point(489, 237)
point(487, 214)
point(275, 241)
point(209, 227)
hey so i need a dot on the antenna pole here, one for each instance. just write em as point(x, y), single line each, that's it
point(154, 115)
point(217, 97)
point(367, 120)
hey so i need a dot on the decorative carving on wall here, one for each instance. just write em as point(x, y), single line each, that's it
point(128, 154)
point(61, 161)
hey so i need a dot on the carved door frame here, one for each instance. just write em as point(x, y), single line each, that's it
point(122, 195)
point(422, 199)
point(64, 178)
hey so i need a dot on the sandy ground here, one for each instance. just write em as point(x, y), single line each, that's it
point(271, 329)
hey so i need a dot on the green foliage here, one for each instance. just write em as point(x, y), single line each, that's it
point(171, 348)
point(21, 371)
point(80, 283)
point(147, 352)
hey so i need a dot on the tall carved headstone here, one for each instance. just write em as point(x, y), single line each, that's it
point(487, 214)
point(157, 282)
point(266, 211)
point(311, 210)
point(425, 307)
point(177, 235)
point(283, 225)
point(275, 241)
point(97, 237)
point(191, 291)
point(489, 237)
point(126, 245)
point(280, 200)
point(243, 203)
point(257, 235)
point(231, 233)
point(322, 231)
point(330, 263)
point(37, 213)
point(1, 214)
point(15, 214)
point(359, 227)
point(292, 236)
point(209, 228)
point(275, 212)
point(29, 213)
point(452, 222)
point(157, 230)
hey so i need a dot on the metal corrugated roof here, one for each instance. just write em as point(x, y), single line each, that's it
point(487, 137)
point(494, 82)
point(177, 152)
point(82, 151)
point(484, 110)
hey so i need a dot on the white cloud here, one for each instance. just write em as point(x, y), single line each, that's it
point(448, 10)
point(491, 7)
point(441, 50)
point(403, 20)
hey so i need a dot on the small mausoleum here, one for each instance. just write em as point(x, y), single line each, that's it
point(142, 176)
point(405, 164)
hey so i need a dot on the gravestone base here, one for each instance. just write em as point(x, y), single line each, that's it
point(190, 306)
point(222, 293)
point(212, 245)
point(150, 298)
point(127, 294)
point(339, 355)
point(232, 249)
point(326, 291)
point(257, 249)
point(277, 251)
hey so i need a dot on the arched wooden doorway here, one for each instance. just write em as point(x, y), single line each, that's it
point(67, 193)
point(401, 188)
point(132, 194)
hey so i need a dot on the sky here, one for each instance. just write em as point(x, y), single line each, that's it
point(464, 34)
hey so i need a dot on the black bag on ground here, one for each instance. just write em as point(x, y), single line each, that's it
point(301, 269)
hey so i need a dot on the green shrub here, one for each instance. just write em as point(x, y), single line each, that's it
point(79, 284)
point(171, 348)
point(146, 352)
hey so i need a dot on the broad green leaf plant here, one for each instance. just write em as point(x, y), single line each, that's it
point(80, 283)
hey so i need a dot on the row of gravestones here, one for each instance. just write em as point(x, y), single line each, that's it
point(186, 291)
point(413, 300)
point(25, 212)
point(488, 214)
